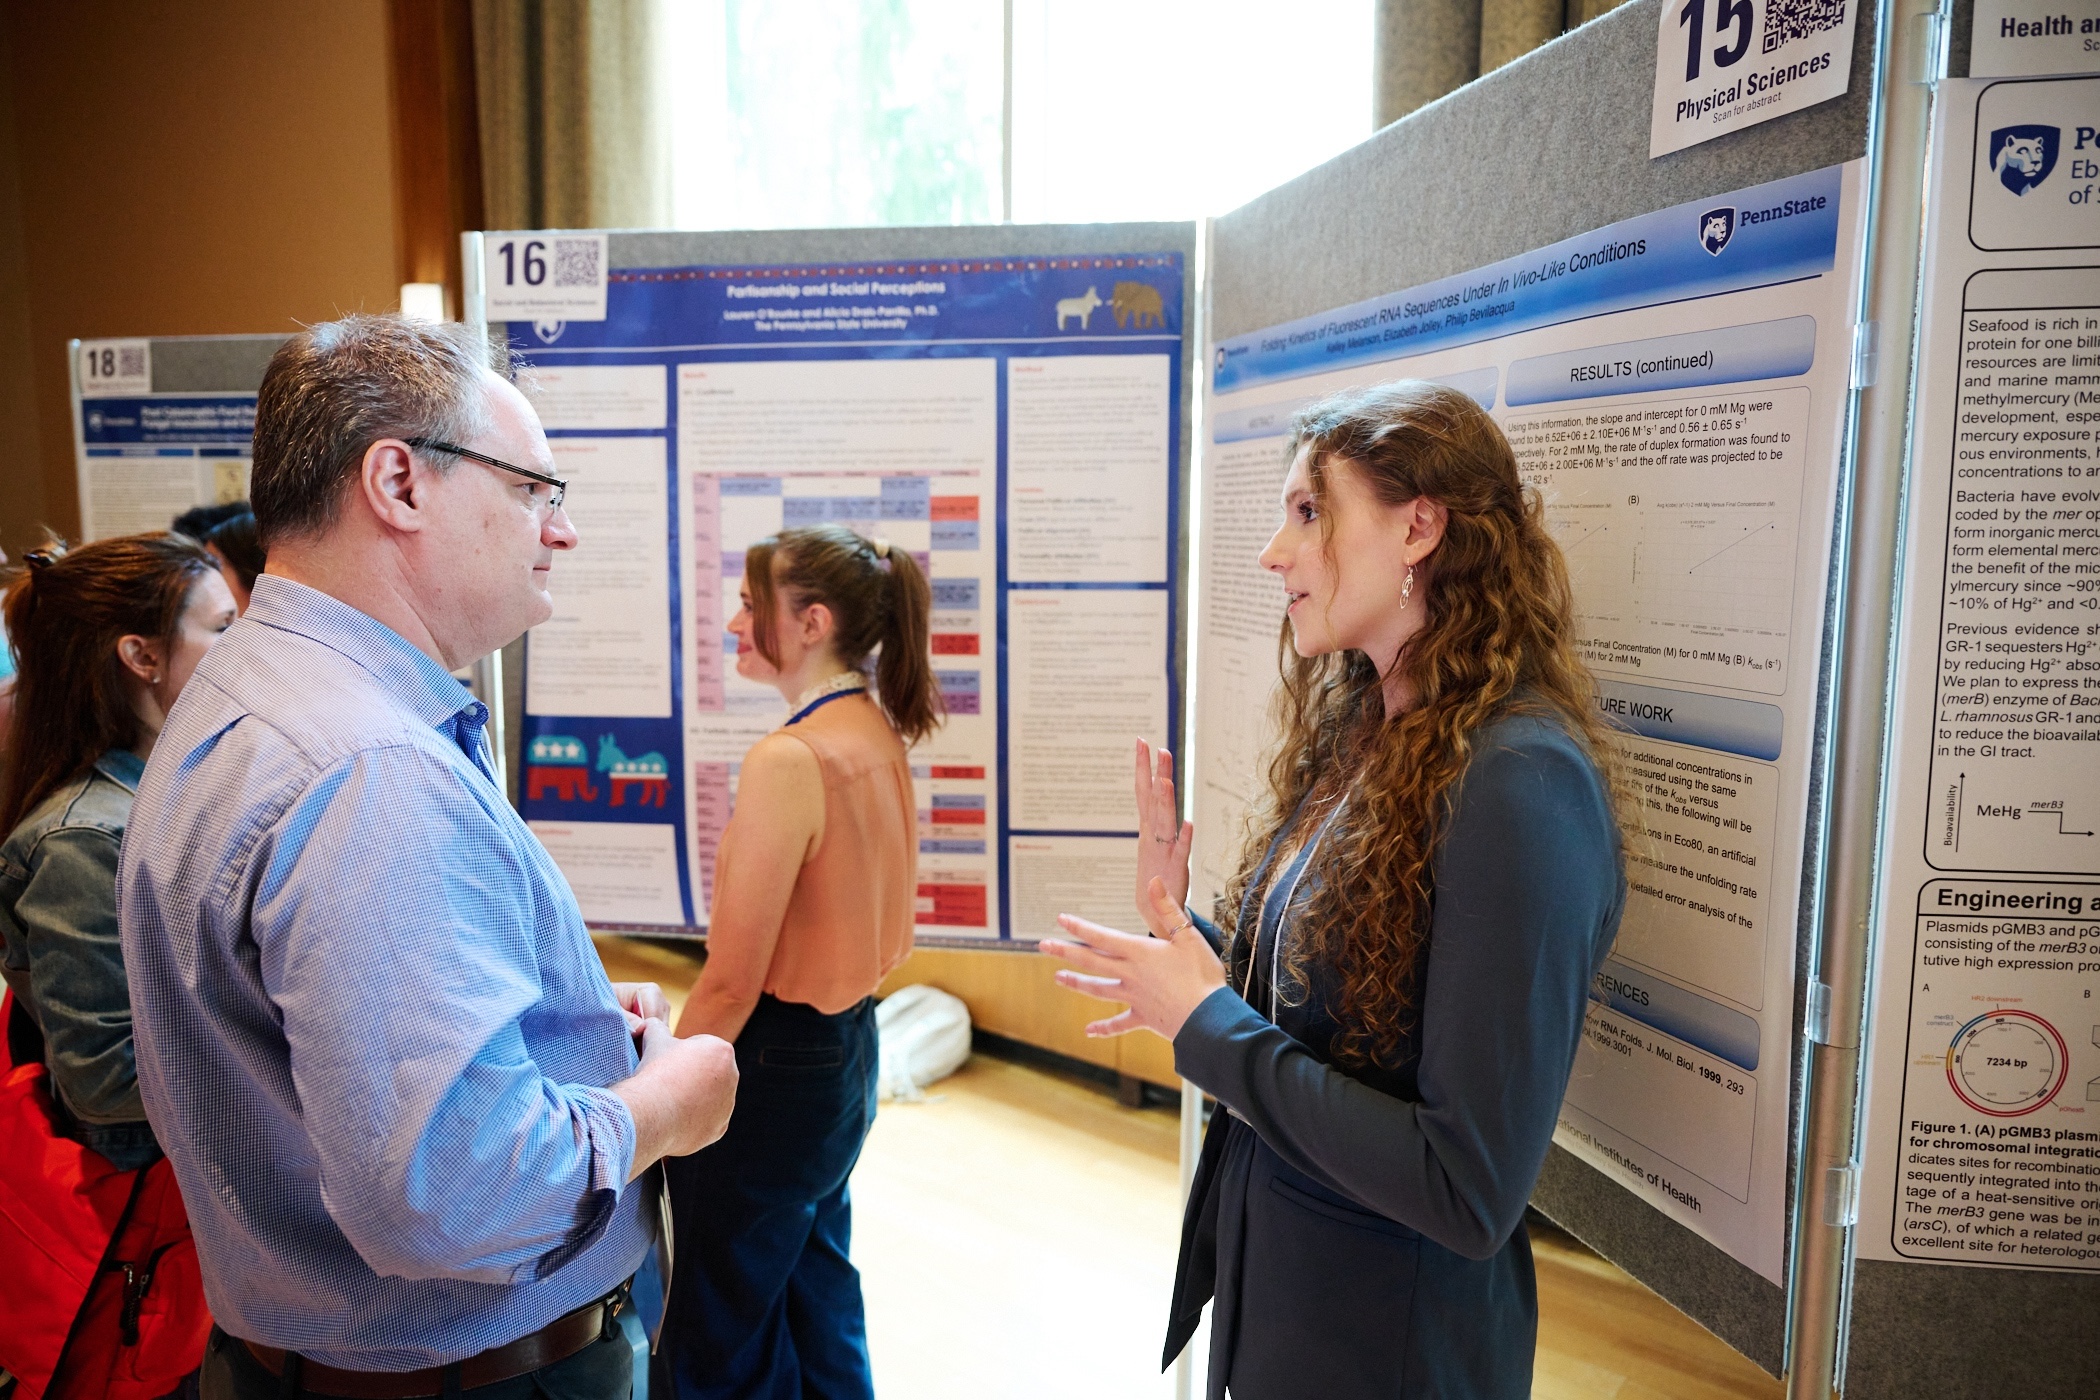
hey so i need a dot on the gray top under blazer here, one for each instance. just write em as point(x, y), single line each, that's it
point(1361, 1230)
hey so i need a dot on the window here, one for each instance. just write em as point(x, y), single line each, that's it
point(824, 113)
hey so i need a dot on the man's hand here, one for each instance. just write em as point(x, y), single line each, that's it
point(642, 1001)
point(682, 1095)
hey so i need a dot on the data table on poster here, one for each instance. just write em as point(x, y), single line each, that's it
point(1674, 389)
point(1000, 420)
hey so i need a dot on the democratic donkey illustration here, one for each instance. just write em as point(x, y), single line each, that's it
point(1080, 309)
point(557, 761)
point(649, 770)
point(1136, 305)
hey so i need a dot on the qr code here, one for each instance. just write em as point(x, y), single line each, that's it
point(1797, 19)
point(576, 262)
point(131, 362)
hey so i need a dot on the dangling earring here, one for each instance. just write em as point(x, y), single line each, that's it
point(1407, 587)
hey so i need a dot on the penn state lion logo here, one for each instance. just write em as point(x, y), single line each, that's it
point(1716, 227)
point(2023, 156)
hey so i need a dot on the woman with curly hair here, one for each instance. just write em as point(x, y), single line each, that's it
point(1430, 885)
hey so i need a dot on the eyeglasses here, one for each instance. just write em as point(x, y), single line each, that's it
point(550, 505)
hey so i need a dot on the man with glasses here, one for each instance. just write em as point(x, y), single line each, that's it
point(406, 1107)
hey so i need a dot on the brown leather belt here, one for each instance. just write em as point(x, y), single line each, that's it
point(557, 1341)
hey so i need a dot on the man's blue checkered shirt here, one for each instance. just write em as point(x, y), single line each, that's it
point(372, 1032)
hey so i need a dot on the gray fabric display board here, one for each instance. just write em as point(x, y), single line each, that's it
point(1549, 147)
point(204, 364)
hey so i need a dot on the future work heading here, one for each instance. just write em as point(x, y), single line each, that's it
point(1771, 233)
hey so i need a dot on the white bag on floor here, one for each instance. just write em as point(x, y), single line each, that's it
point(924, 1034)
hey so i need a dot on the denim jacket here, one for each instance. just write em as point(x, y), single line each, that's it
point(63, 959)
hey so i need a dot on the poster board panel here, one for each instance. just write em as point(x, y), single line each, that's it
point(1012, 417)
point(1676, 388)
point(167, 426)
point(1358, 227)
point(1981, 1125)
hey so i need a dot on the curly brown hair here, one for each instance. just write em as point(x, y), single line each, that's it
point(1496, 640)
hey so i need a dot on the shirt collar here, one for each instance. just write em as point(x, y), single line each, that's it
point(431, 692)
point(122, 767)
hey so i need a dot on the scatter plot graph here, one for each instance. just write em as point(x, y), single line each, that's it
point(1599, 566)
point(1717, 572)
point(1680, 521)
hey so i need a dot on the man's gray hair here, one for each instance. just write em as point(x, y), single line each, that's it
point(335, 389)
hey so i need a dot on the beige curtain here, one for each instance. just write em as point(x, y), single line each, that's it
point(574, 131)
point(1512, 28)
point(1425, 48)
point(1422, 49)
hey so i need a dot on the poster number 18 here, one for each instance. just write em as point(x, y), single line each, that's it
point(115, 368)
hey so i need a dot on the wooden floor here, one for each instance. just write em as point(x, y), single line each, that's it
point(1016, 1237)
point(1602, 1334)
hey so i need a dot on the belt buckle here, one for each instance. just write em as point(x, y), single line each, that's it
point(610, 1307)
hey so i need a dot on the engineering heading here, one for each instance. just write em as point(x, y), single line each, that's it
point(1980, 901)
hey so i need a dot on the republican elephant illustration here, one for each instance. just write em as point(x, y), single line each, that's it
point(1136, 306)
point(557, 762)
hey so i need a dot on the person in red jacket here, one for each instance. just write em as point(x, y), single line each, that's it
point(101, 1294)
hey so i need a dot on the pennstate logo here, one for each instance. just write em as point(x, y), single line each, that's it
point(1716, 227)
point(548, 329)
point(2023, 156)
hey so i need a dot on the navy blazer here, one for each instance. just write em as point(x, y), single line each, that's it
point(1361, 1229)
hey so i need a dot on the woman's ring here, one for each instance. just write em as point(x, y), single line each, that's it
point(1179, 927)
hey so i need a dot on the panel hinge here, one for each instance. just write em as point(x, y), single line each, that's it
point(1866, 354)
point(1841, 1195)
point(1929, 55)
point(1816, 1025)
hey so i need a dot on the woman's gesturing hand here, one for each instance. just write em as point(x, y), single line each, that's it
point(1161, 980)
point(1163, 837)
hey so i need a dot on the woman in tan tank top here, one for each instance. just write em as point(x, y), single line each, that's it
point(815, 882)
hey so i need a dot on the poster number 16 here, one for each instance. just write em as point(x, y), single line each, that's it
point(534, 259)
point(1737, 15)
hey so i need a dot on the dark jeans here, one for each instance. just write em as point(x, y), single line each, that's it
point(601, 1371)
point(764, 1303)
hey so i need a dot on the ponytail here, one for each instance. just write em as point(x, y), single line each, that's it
point(904, 681)
point(880, 604)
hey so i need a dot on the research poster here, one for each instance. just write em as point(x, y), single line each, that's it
point(1676, 388)
point(144, 458)
point(1011, 422)
point(1982, 1119)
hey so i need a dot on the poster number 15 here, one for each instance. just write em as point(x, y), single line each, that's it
point(534, 258)
point(1737, 15)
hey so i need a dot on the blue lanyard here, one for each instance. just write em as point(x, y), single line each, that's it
point(821, 701)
